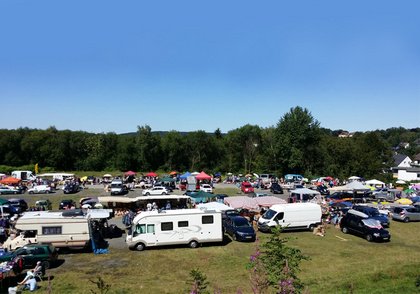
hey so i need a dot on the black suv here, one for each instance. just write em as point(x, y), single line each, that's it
point(276, 188)
point(359, 223)
point(20, 205)
point(71, 188)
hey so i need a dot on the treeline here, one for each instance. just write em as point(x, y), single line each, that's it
point(297, 144)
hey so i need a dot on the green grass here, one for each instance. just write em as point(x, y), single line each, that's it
point(335, 266)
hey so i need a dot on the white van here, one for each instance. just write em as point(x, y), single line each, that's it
point(24, 175)
point(171, 227)
point(118, 188)
point(291, 217)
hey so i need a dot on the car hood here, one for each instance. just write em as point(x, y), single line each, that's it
point(246, 230)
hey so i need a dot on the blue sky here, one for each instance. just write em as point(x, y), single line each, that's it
point(109, 66)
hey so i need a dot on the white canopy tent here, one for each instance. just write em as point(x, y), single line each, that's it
point(375, 183)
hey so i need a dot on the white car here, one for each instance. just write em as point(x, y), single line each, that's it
point(155, 191)
point(40, 189)
point(206, 188)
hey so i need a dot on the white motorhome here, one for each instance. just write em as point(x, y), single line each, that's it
point(24, 175)
point(172, 227)
point(68, 228)
point(291, 217)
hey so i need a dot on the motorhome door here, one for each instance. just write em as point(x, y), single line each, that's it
point(147, 233)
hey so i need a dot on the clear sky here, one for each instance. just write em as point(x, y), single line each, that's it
point(109, 66)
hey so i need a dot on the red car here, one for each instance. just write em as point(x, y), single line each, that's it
point(246, 187)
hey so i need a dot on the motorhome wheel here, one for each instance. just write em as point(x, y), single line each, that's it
point(193, 244)
point(140, 247)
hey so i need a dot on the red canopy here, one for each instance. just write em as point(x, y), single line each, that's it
point(151, 174)
point(9, 181)
point(203, 176)
point(173, 173)
point(130, 173)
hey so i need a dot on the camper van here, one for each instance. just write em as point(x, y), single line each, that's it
point(172, 227)
point(291, 217)
point(69, 228)
point(24, 175)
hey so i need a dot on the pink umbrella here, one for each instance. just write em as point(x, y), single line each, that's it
point(130, 173)
point(151, 174)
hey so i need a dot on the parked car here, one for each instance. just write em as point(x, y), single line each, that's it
point(33, 253)
point(206, 188)
point(71, 188)
point(66, 204)
point(239, 228)
point(19, 204)
point(374, 213)
point(40, 189)
point(359, 223)
point(276, 188)
point(323, 190)
point(43, 204)
point(229, 213)
point(406, 213)
point(155, 191)
point(118, 188)
point(246, 187)
point(8, 190)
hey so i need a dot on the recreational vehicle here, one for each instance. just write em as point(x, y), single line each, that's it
point(172, 227)
point(291, 216)
point(69, 228)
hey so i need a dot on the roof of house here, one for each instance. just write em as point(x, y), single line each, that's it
point(417, 157)
point(398, 158)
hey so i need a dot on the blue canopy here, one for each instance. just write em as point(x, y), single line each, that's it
point(186, 175)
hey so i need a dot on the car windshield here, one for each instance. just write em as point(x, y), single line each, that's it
point(241, 222)
point(247, 185)
point(372, 212)
point(269, 214)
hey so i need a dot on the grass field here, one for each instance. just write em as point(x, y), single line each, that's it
point(338, 263)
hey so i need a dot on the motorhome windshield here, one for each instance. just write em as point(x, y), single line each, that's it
point(269, 214)
point(116, 185)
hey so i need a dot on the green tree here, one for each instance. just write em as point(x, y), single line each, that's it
point(297, 137)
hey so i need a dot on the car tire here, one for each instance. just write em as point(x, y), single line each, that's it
point(31, 192)
point(193, 244)
point(147, 194)
point(163, 193)
point(46, 264)
point(311, 227)
point(345, 230)
point(406, 220)
point(47, 192)
point(15, 192)
point(369, 237)
point(234, 238)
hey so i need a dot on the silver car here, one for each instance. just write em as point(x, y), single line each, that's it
point(406, 213)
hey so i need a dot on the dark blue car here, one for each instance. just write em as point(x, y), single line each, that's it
point(239, 228)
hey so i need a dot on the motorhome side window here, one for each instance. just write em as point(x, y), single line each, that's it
point(151, 229)
point(207, 219)
point(279, 216)
point(169, 226)
point(51, 230)
point(182, 224)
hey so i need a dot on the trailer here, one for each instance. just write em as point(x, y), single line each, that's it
point(67, 228)
point(175, 227)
